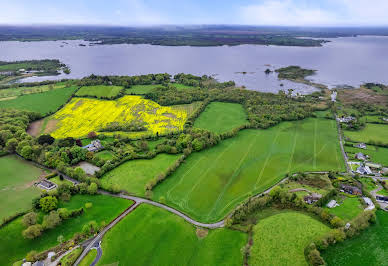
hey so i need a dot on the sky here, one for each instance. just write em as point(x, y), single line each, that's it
point(184, 12)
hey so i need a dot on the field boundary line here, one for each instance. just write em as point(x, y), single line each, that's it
point(293, 151)
point(315, 144)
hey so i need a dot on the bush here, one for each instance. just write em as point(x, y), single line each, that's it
point(51, 220)
point(88, 205)
point(48, 203)
point(33, 231)
point(29, 219)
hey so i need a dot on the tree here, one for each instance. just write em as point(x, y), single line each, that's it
point(48, 203)
point(26, 152)
point(45, 139)
point(33, 231)
point(92, 135)
point(60, 239)
point(29, 219)
point(90, 228)
point(51, 220)
point(92, 188)
point(31, 256)
point(11, 145)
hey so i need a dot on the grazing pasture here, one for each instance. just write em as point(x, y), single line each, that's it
point(221, 117)
point(83, 115)
point(18, 91)
point(14, 247)
point(280, 239)
point(157, 237)
point(368, 248)
point(17, 188)
point(372, 133)
point(99, 91)
point(133, 175)
point(376, 154)
point(210, 183)
point(43, 103)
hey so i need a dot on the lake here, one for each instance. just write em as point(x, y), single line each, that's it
point(343, 61)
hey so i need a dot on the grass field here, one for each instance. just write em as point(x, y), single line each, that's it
point(106, 155)
point(14, 247)
point(58, 181)
point(376, 154)
point(142, 89)
point(43, 103)
point(89, 258)
point(153, 236)
point(18, 91)
point(133, 175)
point(280, 239)
point(369, 248)
point(83, 115)
point(17, 185)
point(221, 117)
point(100, 91)
point(209, 184)
point(348, 209)
point(377, 133)
point(69, 259)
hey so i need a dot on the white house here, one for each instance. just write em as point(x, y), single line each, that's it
point(360, 145)
point(364, 170)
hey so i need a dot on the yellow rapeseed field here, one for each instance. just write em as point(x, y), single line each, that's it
point(83, 115)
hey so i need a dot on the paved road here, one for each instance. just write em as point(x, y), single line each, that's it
point(99, 254)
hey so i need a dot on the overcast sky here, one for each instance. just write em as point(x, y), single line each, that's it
point(152, 12)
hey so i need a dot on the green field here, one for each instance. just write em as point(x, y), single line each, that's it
point(369, 248)
point(100, 91)
point(142, 89)
point(377, 133)
point(18, 91)
point(106, 155)
point(14, 247)
point(133, 175)
point(153, 236)
point(69, 259)
point(17, 185)
point(58, 181)
point(376, 154)
point(221, 117)
point(281, 239)
point(43, 103)
point(348, 209)
point(89, 258)
point(212, 182)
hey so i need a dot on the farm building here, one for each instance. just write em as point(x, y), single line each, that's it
point(46, 184)
point(364, 170)
point(351, 189)
point(332, 204)
point(360, 156)
point(94, 146)
point(373, 165)
point(312, 198)
point(360, 145)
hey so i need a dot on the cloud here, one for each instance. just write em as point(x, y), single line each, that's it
point(314, 13)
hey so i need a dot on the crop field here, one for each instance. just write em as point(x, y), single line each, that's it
point(280, 239)
point(83, 115)
point(348, 209)
point(376, 154)
point(221, 117)
point(209, 184)
point(99, 91)
point(377, 133)
point(17, 185)
point(133, 175)
point(368, 248)
point(18, 91)
point(14, 247)
point(157, 237)
point(43, 103)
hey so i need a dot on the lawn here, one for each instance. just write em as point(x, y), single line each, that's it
point(83, 115)
point(376, 154)
point(100, 91)
point(368, 183)
point(221, 117)
point(106, 155)
point(377, 133)
point(43, 103)
point(69, 259)
point(369, 248)
point(157, 237)
point(209, 184)
point(14, 247)
point(17, 188)
point(89, 258)
point(58, 181)
point(280, 239)
point(348, 209)
point(133, 175)
point(142, 89)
